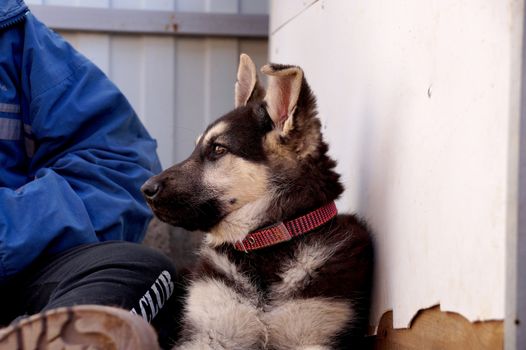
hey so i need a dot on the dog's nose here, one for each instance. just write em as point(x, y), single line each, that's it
point(151, 188)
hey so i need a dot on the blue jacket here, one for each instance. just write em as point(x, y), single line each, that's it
point(73, 153)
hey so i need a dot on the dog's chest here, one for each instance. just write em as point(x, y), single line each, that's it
point(254, 296)
point(278, 273)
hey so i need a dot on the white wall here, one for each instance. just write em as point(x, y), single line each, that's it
point(176, 85)
point(420, 104)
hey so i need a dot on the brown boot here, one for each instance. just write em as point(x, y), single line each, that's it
point(80, 327)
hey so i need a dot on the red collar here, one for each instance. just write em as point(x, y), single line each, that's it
point(285, 231)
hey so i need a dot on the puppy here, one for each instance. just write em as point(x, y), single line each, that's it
point(279, 269)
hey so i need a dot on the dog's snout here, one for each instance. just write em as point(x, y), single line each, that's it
point(151, 188)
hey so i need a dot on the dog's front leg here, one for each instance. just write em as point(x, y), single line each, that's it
point(306, 324)
point(219, 318)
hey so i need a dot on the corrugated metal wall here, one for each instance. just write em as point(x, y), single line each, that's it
point(176, 85)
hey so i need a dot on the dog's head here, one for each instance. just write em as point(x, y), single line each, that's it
point(260, 163)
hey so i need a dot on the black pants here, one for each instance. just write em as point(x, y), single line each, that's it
point(122, 274)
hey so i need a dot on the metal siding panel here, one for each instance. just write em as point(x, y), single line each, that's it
point(159, 4)
point(190, 5)
point(222, 6)
point(126, 4)
point(253, 7)
point(222, 59)
point(158, 94)
point(144, 4)
point(152, 22)
point(61, 2)
point(82, 3)
point(70, 38)
point(94, 3)
point(258, 51)
point(96, 47)
point(190, 95)
point(126, 69)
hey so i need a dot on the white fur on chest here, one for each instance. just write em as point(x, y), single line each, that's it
point(223, 318)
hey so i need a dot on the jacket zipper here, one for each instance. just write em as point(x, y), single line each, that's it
point(17, 19)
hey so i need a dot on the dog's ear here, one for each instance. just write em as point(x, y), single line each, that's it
point(284, 88)
point(247, 88)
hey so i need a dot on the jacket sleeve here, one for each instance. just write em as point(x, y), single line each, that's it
point(91, 156)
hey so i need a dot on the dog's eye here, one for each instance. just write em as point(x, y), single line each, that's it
point(218, 150)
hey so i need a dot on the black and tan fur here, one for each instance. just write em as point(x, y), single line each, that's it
point(263, 163)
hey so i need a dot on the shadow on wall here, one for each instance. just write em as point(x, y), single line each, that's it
point(377, 156)
point(374, 190)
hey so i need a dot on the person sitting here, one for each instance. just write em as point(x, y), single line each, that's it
point(73, 157)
